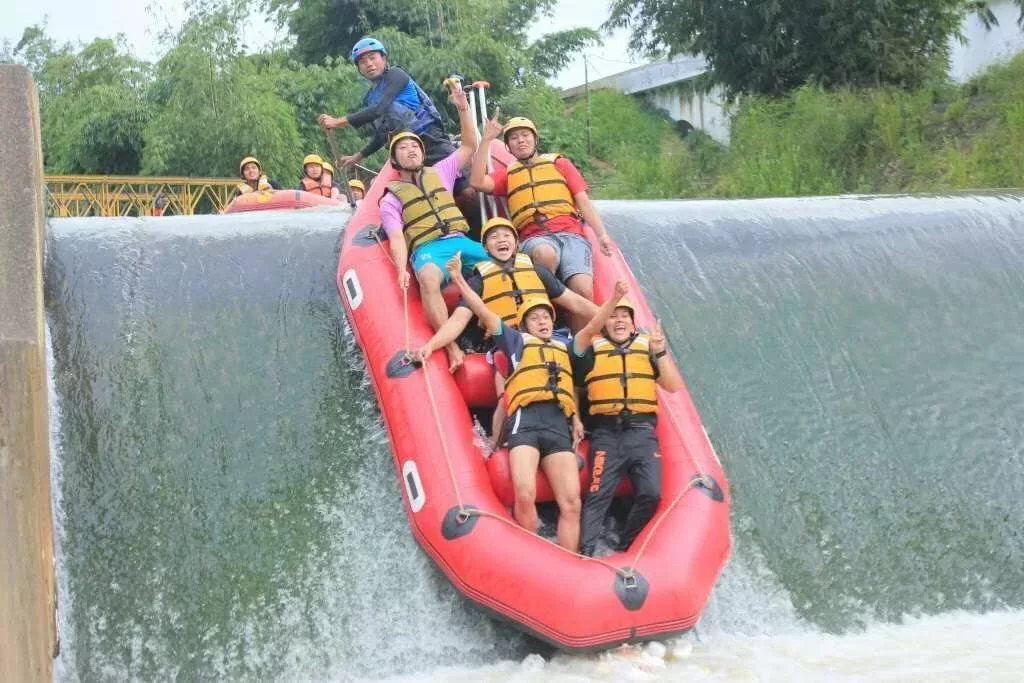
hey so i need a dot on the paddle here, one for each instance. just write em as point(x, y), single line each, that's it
point(339, 169)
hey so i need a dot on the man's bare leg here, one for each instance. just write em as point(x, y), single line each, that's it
point(431, 278)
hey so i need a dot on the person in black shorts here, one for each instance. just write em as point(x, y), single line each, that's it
point(543, 426)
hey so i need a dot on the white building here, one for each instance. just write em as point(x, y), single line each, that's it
point(673, 87)
point(986, 47)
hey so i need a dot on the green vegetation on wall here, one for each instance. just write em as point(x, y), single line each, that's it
point(880, 140)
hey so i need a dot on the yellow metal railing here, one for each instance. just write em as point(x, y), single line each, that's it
point(74, 195)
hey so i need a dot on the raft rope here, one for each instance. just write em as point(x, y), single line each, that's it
point(405, 293)
point(463, 511)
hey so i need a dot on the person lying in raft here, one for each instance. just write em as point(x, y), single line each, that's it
point(419, 215)
point(253, 179)
point(543, 425)
point(313, 176)
point(548, 202)
point(619, 368)
point(504, 281)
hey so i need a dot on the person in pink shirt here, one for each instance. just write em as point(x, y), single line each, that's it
point(419, 215)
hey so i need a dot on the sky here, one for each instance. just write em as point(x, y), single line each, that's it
point(84, 20)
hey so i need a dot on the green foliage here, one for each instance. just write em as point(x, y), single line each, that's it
point(551, 53)
point(206, 103)
point(93, 109)
point(776, 46)
point(215, 106)
point(312, 90)
point(482, 39)
point(880, 140)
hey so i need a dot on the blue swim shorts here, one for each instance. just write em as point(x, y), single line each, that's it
point(439, 251)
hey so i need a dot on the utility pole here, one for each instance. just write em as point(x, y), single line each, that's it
point(586, 88)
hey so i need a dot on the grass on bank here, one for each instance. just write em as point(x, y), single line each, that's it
point(811, 142)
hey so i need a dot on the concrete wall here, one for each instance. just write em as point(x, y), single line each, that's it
point(702, 110)
point(985, 47)
point(28, 639)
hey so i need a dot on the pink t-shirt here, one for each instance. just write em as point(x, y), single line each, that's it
point(391, 209)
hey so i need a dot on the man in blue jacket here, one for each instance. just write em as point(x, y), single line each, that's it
point(394, 103)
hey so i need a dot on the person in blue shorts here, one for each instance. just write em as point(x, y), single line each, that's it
point(421, 219)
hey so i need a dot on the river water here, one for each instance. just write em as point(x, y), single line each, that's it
point(228, 508)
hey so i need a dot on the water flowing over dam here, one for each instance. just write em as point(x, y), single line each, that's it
point(227, 505)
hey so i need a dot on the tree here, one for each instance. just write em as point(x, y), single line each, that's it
point(215, 105)
point(774, 46)
point(92, 102)
point(487, 33)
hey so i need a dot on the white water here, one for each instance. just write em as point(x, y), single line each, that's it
point(750, 632)
point(948, 647)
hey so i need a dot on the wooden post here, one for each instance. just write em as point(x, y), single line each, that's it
point(28, 638)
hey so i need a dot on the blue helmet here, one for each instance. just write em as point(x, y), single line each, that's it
point(367, 45)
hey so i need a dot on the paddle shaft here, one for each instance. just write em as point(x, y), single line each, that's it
point(338, 168)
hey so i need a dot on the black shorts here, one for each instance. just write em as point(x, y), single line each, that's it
point(461, 183)
point(541, 425)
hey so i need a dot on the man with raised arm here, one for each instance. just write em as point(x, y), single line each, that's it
point(504, 281)
point(619, 368)
point(547, 203)
point(543, 424)
point(422, 222)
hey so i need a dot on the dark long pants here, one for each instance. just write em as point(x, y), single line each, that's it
point(614, 452)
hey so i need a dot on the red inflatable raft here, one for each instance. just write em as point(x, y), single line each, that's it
point(458, 501)
point(267, 200)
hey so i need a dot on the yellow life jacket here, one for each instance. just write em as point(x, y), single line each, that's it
point(261, 185)
point(427, 213)
point(544, 373)
point(504, 289)
point(537, 187)
point(622, 377)
point(315, 186)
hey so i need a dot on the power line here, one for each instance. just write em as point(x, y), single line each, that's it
point(618, 61)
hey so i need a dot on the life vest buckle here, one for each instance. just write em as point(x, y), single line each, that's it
point(552, 375)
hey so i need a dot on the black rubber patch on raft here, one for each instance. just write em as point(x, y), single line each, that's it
point(414, 491)
point(369, 236)
point(400, 366)
point(632, 590)
point(709, 487)
point(457, 524)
